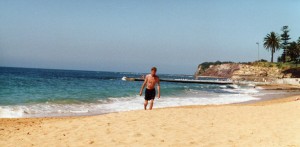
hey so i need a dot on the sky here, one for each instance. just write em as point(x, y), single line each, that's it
point(134, 35)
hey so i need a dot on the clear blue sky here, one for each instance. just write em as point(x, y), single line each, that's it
point(133, 35)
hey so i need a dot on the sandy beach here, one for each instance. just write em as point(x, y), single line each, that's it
point(268, 123)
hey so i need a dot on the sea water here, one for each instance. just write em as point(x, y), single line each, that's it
point(26, 92)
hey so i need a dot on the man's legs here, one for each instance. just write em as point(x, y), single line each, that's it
point(145, 104)
point(151, 104)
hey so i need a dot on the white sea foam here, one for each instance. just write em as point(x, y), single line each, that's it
point(115, 105)
point(238, 90)
point(10, 112)
point(234, 94)
point(233, 86)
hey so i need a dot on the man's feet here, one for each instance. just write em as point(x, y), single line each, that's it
point(146, 103)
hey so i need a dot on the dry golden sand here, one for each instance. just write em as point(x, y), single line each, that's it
point(271, 123)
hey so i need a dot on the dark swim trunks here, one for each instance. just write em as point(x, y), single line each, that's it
point(150, 94)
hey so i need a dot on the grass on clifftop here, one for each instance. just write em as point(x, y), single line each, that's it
point(280, 65)
point(286, 68)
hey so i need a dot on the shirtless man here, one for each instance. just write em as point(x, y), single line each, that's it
point(151, 80)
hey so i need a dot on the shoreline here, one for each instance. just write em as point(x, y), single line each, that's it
point(264, 123)
point(277, 92)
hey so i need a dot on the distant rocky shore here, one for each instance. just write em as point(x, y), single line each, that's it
point(256, 72)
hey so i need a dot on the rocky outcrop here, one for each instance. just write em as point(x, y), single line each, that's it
point(222, 70)
point(244, 72)
point(257, 73)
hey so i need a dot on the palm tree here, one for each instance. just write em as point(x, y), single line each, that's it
point(272, 42)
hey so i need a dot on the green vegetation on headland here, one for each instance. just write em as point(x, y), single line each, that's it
point(251, 71)
point(291, 49)
point(279, 65)
point(260, 63)
point(206, 65)
point(286, 67)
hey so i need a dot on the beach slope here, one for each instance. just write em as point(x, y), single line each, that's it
point(271, 123)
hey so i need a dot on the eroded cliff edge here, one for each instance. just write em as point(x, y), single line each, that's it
point(257, 71)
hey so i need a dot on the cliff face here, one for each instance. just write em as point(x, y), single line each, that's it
point(257, 73)
point(223, 70)
point(244, 72)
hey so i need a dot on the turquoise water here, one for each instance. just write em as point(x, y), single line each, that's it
point(26, 92)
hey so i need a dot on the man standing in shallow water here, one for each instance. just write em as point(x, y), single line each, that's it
point(151, 80)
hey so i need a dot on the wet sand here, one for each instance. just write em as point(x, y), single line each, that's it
point(265, 123)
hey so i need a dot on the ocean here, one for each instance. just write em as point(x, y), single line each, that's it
point(27, 92)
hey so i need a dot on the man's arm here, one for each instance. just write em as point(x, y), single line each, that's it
point(143, 86)
point(158, 88)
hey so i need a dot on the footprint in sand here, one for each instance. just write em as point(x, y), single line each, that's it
point(107, 131)
point(138, 135)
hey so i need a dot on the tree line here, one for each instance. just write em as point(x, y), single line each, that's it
point(291, 49)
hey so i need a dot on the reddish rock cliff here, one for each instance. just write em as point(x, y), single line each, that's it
point(246, 72)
